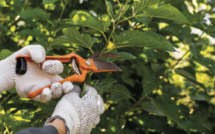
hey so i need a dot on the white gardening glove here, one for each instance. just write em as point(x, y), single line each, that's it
point(79, 114)
point(34, 78)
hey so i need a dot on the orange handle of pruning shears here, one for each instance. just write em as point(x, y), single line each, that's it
point(93, 63)
point(65, 58)
point(73, 78)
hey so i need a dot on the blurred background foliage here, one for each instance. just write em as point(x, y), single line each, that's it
point(166, 50)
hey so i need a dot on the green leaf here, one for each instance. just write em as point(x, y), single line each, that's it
point(200, 125)
point(106, 21)
point(149, 106)
point(106, 83)
point(118, 97)
point(49, 1)
point(168, 107)
point(202, 96)
point(122, 90)
point(110, 9)
point(111, 12)
point(121, 108)
point(109, 86)
point(114, 126)
point(153, 122)
point(174, 1)
point(35, 13)
point(126, 77)
point(73, 36)
point(153, 8)
point(135, 38)
point(86, 19)
point(125, 56)
point(60, 40)
point(148, 78)
point(205, 61)
point(3, 30)
point(5, 53)
point(3, 3)
point(26, 32)
point(185, 73)
point(198, 120)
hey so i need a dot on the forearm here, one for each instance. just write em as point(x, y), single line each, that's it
point(7, 73)
point(44, 130)
point(57, 126)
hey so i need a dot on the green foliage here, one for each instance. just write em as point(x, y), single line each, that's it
point(86, 19)
point(154, 8)
point(166, 50)
point(73, 36)
point(136, 38)
point(3, 3)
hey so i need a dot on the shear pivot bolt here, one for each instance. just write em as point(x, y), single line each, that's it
point(88, 63)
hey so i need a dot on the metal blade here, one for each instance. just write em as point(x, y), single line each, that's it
point(74, 67)
point(106, 66)
point(96, 55)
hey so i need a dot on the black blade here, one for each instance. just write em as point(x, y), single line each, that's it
point(103, 66)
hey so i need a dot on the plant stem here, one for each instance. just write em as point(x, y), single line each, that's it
point(115, 24)
point(170, 70)
point(126, 19)
point(59, 19)
point(91, 50)
point(104, 37)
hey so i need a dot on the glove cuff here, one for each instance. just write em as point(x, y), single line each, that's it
point(69, 115)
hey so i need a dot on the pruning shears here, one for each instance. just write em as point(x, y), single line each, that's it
point(92, 63)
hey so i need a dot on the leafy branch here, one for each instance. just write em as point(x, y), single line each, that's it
point(115, 24)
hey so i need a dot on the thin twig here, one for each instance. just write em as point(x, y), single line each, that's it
point(170, 70)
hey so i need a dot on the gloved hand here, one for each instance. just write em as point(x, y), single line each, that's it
point(79, 114)
point(34, 78)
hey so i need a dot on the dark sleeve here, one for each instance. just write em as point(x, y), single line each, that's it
point(44, 130)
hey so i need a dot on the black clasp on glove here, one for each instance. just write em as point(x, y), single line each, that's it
point(21, 66)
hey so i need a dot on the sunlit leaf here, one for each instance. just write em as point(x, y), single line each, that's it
point(3, 3)
point(189, 76)
point(86, 19)
point(205, 61)
point(153, 8)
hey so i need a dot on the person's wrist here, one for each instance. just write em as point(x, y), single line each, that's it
point(59, 125)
